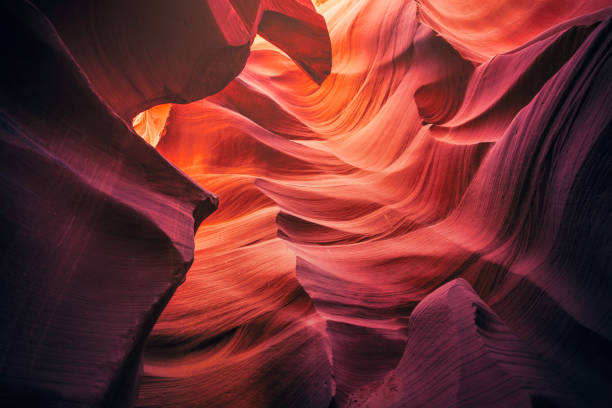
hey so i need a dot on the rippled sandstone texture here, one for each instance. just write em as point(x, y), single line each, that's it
point(97, 226)
point(425, 224)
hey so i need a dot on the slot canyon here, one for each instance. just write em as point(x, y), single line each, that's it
point(296, 203)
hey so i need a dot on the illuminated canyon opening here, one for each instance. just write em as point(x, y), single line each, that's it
point(395, 203)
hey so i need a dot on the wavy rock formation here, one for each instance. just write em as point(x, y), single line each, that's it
point(98, 227)
point(459, 353)
point(413, 210)
point(139, 54)
point(407, 168)
point(98, 230)
point(481, 30)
